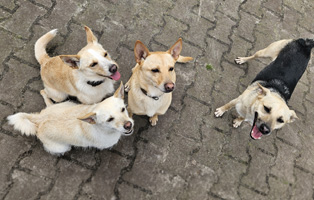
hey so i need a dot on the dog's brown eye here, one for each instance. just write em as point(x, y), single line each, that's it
point(267, 109)
point(171, 69)
point(280, 120)
point(93, 64)
point(106, 54)
point(123, 109)
point(155, 70)
point(110, 119)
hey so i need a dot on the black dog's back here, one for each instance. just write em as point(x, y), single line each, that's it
point(288, 67)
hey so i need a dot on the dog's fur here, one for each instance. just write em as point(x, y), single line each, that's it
point(153, 80)
point(88, 75)
point(61, 125)
point(264, 102)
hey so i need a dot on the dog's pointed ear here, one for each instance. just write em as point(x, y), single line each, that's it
point(140, 51)
point(119, 93)
point(262, 91)
point(175, 50)
point(90, 36)
point(293, 116)
point(71, 60)
point(89, 118)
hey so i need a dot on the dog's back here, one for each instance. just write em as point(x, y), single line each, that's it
point(289, 66)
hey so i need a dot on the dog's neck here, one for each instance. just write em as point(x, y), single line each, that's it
point(94, 83)
point(278, 86)
point(153, 97)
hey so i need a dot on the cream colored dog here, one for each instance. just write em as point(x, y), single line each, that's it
point(153, 80)
point(264, 102)
point(89, 75)
point(61, 125)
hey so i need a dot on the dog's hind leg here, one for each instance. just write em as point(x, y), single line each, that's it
point(221, 110)
point(47, 100)
point(184, 59)
point(55, 95)
point(271, 51)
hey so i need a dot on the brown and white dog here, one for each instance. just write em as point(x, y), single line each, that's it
point(264, 102)
point(59, 126)
point(89, 75)
point(153, 80)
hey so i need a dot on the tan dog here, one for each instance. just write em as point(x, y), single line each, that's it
point(152, 81)
point(264, 102)
point(89, 75)
point(61, 125)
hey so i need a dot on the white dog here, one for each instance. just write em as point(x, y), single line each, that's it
point(61, 125)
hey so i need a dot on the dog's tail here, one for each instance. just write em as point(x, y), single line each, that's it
point(23, 122)
point(183, 59)
point(41, 43)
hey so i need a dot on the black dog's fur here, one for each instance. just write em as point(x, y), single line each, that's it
point(283, 74)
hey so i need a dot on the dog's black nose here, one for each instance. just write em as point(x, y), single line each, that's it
point(169, 87)
point(113, 68)
point(264, 129)
point(127, 125)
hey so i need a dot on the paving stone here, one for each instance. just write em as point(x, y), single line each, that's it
point(39, 165)
point(17, 77)
point(229, 175)
point(5, 111)
point(247, 194)
point(278, 189)
point(11, 43)
point(254, 7)
point(166, 37)
point(8, 4)
point(283, 169)
point(128, 191)
point(27, 186)
point(159, 181)
point(24, 23)
point(303, 188)
point(230, 8)
point(247, 25)
point(275, 6)
point(102, 183)
point(299, 6)
point(290, 21)
point(259, 170)
point(67, 181)
point(66, 9)
point(9, 157)
point(46, 3)
point(240, 48)
point(222, 29)
point(206, 10)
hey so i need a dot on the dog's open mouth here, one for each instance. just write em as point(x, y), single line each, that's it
point(116, 76)
point(129, 132)
point(255, 133)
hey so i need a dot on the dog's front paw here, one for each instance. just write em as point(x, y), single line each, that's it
point(239, 60)
point(237, 123)
point(153, 120)
point(219, 112)
point(127, 87)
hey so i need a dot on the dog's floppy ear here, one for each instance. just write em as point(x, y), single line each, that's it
point(71, 60)
point(140, 51)
point(89, 35)
point(262, 91)
point(293, 116)
point(119, 93)
point(89, 118)
point(175, 50)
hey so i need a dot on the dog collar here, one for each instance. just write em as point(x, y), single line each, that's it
point(156, 98)
point(94, 83)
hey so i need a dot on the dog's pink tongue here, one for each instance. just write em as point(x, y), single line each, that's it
point(256, 134)
point(116, 76)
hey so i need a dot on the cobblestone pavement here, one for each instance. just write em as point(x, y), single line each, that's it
point(189, 154)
